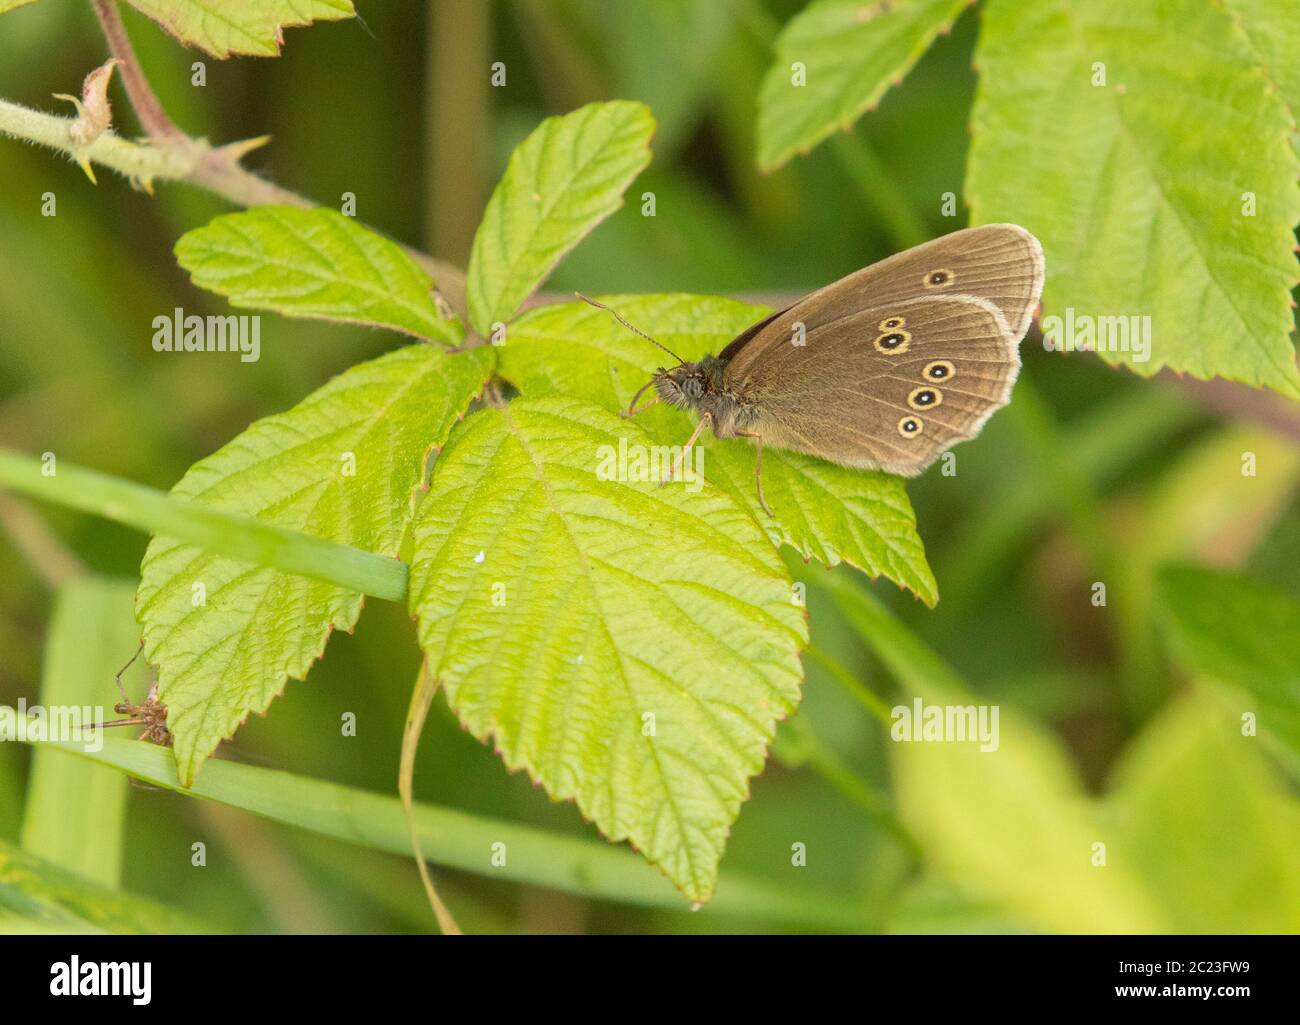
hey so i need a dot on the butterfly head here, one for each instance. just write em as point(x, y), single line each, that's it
point(690, 385)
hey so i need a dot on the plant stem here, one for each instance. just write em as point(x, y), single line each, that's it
point(153, 119)
point(141, 163)
point(908, 659)
point(169, 154)
point(457, 140)
point(867, 698)
point(828, 764)
point(421, 698)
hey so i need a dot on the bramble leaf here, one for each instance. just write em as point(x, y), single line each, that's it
point(343, 465)
point(1273, 32)
point(563, 180)
point(852, 51)
point(631, 647)
point(315, 264)
point(225, 27)
point(823, 511)
point(1155, 167)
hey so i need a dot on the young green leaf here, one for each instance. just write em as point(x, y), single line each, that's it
point(1240, 632)
point(563, 180)
point(315, 264)
point(9, 5)
point(1121, 144)
point(834, 60)
point(252, 27)
point(823, 511)
point(343, 465)
point(631, 647)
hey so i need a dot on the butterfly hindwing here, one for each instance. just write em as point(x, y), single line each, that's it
point(892, 386)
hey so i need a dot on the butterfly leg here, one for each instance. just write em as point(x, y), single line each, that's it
point(632, 410)
point(676, 468)
point(758, 469)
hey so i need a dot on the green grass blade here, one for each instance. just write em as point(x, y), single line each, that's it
point(75, 813)
point(38, 895)
point(462, 840)
point(236, 536)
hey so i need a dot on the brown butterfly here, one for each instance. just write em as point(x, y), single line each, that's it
point(884, 369)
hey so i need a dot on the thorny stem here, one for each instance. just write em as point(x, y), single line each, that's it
point(168, 154)
point(175, 156)
point(153, 119)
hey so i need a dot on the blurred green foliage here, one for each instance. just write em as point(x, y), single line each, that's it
point(1090, 475)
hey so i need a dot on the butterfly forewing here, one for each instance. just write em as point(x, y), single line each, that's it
point(891, 365)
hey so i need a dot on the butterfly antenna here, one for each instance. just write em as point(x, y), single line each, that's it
point(630, 327)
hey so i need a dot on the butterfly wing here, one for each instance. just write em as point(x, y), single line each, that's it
point(1000, 263)
point(896, 362)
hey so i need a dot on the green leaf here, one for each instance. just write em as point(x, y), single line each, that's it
point(48, 897)
point(823, 511)
point(852, 52)
point(75, 814)
point(239, 26)
point(1136, 187)
point(1212, 830)
point(1240, 632)
point(563, 180)
point(1273, 31)
point(315, 264)
point(341, 465)
point(10, 5)
point(631, 647)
